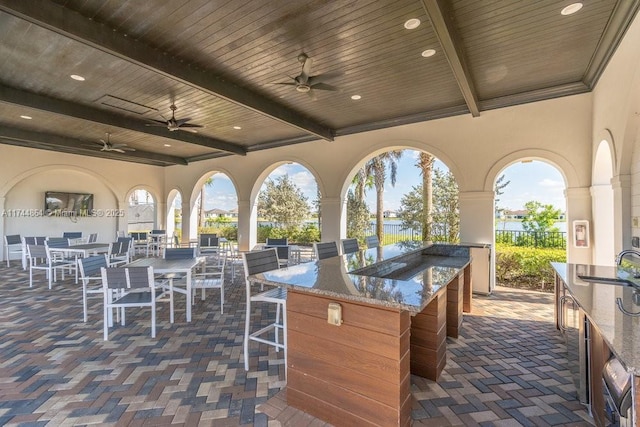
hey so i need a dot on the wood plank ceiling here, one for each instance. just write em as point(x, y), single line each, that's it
point(217, 61)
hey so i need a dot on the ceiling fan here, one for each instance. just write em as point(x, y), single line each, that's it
point(175, 124)
point(108, 146)
point(306, 83)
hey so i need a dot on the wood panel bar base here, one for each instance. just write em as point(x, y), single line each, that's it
point(468, 289)
point(455, 299)
point(353, 374)
point(429, 338)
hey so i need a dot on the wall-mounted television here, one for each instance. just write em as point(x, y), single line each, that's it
point(59, 203)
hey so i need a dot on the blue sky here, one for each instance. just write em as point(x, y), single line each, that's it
point(528, 181)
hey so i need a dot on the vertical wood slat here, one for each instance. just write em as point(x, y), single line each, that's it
point(468, 288)
point(455, 302)
point(428, 338)
point(636, 403)
point(324, 377)
point(600, 353)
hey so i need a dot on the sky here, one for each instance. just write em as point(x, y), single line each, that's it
point(534, 180)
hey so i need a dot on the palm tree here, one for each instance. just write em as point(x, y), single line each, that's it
point(207, 183)
point(425, 163)
point(378, 167)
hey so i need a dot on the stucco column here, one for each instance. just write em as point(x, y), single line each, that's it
point(331, 218)
point(578, 208)
point(602, 229)
point(247, 225)
point(2, 226)
point(161, 215)
point(185, 227)
point(477, 221)
point(622, 221)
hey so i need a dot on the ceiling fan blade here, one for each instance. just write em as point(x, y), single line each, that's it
point(306, 70)
point(117, 150)
point(156, 123)
point(321, 78)
point(324, 86)
point(128, 149)
point(190, 125)
point(181, 122)
point(118, 145)
point(285, 83)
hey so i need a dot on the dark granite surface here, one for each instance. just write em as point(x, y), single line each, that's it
point(598, 300)
point(400, 276)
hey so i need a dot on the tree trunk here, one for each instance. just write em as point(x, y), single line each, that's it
point(201, 210)
point(379, 178)
point(426, 166)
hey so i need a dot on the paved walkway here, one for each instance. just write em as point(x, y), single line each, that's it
point(507, 369)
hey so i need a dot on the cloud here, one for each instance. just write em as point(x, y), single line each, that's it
point(551, 183)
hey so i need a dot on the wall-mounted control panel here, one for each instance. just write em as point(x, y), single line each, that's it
point(635, 242)
point(334, 315)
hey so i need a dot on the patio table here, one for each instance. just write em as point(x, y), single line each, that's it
point(168, 266)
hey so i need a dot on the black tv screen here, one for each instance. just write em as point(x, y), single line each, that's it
point(58, 203)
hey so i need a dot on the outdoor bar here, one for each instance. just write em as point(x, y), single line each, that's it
point(359, 324)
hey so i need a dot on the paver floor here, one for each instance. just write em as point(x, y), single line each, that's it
point(508, 368)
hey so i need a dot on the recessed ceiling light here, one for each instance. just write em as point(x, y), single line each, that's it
point(356, 97)
point(412, 23)
point(571, 9)
point(167, 145)
point(237, 127)
point(429, 52)
point(26, 117)
point(77, 77)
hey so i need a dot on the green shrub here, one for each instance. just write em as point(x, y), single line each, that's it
point(518, 266)
point(308, 234)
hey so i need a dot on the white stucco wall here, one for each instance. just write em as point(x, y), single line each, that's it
point(475, 149)
point(25, 175)
point(616, 118)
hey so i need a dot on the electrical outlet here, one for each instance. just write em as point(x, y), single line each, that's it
point(334, 314)
point(635, 242)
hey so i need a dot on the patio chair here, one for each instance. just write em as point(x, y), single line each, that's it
point(349, 246)
point(254, 263)
point(208, 244)
point(372, 241)
point(277, 242)
point(140, 242)
point(125, 288)
point(12, 245)
point(284, 254)
point(168, 282)
point(157, 241)
point(120, 253)
point(325, 250)
point(40, 259)
point(212, 277)
point(90, 272)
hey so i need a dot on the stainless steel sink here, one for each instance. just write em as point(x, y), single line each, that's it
point(608, 280)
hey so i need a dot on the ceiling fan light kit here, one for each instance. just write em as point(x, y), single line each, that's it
point(174, 124)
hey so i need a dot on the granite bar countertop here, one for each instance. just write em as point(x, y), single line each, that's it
point(405, 276)
point(598, 300)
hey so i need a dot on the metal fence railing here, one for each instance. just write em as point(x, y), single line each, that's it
point(536, 239)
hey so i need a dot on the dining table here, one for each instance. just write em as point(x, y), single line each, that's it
point(81, 251)
point(172, 266)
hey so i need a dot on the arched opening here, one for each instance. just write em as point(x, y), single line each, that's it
point(141, 211)
point(215, 206)
point(288, 205)
point(174, 215)
point(602, 205)
point(416, 198)
point(530, 224)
